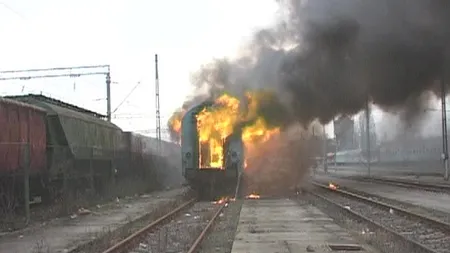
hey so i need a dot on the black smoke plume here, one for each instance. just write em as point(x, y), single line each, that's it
point(328, 57)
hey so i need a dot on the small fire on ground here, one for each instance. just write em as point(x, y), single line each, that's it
point(332, 186)
point(223, 200)
point(253, 196)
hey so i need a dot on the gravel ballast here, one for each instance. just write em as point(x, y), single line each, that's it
point(179, 234)
point(421, 232)
point(221, 237)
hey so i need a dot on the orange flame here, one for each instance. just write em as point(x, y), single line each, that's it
point(253, 196)
point(258, 132)
point(175, 123)
point(332, 186)
point(223, 200)
point(214, 124)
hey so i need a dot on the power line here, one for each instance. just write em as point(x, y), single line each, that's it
point(152, 130)
point(142, 115)
point(126, 97)
point(129, 117)
point(57, 68)
point(12, 10)
point(24, 75)
point(48, 76)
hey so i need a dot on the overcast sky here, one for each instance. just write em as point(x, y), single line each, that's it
point(126, 35)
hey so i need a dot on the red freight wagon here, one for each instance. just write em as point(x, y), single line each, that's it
point(21, 124)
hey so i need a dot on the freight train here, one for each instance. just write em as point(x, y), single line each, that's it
point(208, 181)
point(417, 155)
point(59, 146)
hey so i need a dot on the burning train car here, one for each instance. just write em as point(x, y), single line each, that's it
point(218, 136)
point(211, 166)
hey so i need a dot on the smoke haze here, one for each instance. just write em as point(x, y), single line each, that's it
point(391, 126)
point(271, 175)
point(326, 57)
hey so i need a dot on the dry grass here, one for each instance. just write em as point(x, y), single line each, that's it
point(12, 219)
point(41, 247)
point(8, 205)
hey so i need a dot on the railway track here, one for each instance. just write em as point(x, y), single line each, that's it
point(417, 232)
point(184, 233)
point(404, 183)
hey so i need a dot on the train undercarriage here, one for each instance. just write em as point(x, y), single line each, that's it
point(213, 183)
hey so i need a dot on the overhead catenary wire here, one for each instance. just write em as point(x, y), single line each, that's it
point(25, 75)
point(126, 97)
point(50, 76)
point(134, 116)
point(56, 69)
point(12, 10)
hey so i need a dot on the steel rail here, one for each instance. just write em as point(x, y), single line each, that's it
point(413, 245)
point(129, 242)
point(202, 235)
point(432, 221)
point(409, 184)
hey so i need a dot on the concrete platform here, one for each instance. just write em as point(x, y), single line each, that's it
point(279, 226)
point(65, 234)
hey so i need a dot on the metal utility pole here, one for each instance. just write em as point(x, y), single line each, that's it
point(158, 115)
point(108, 95)
point(325, 161)
point(335, 144)
point(335, 152)
point(444, 131)
point(72, 72)
point(368, 135)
